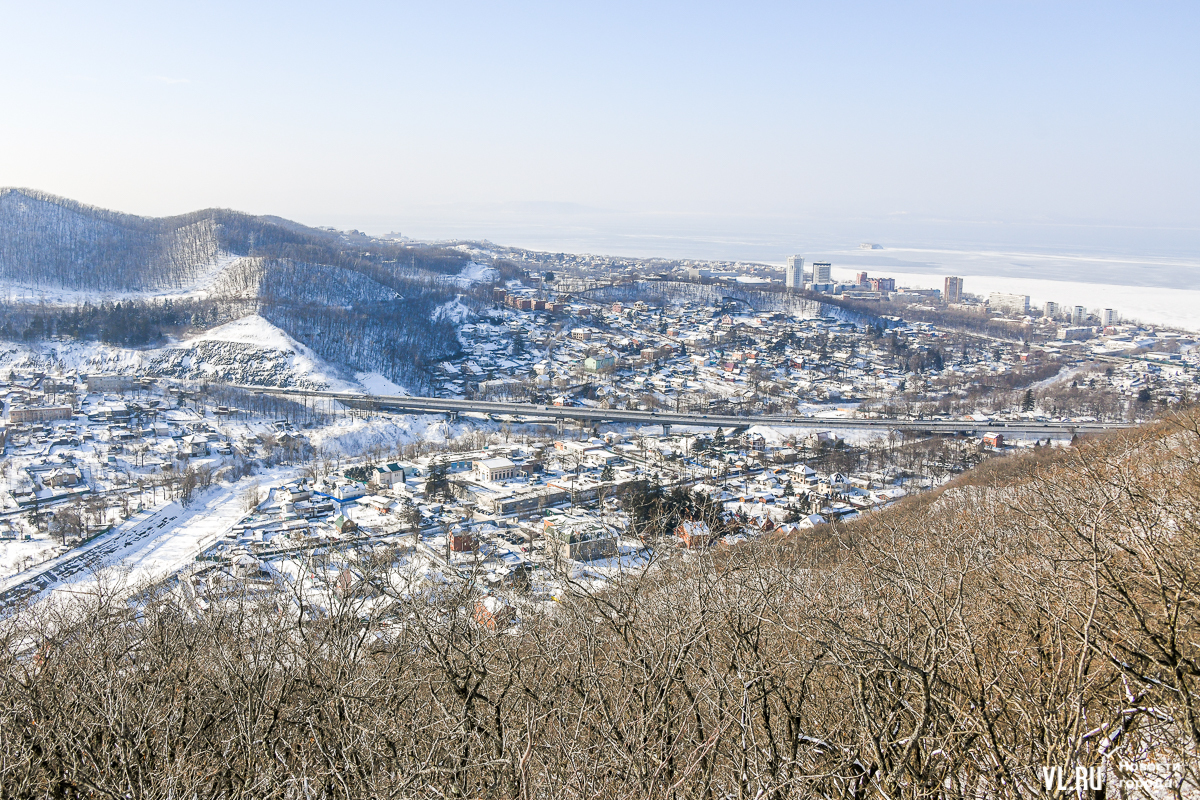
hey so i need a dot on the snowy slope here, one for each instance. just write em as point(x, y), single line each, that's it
point(472, 274)
point(253, 330)
point(355, 435)
point(70, 356)
point(455, 311)
point(374, 383)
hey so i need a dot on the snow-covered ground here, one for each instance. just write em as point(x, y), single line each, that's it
point(472, 274)
point(255, 331)
point(71, 355)
point(374, 383)
point(455, 311)
point(355, 435)
point(250, 330)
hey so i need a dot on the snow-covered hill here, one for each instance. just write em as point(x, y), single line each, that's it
point(363, 304)
point(51, 245)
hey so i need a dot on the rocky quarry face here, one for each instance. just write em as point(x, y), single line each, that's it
point(231, 362)
point(213, 361)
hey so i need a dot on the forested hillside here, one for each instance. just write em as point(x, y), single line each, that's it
point(283, 280)
point(1039, 614)
point(53, 242)
point(365, 304)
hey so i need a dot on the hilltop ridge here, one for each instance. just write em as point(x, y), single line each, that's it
point(362, 303)
point(56, 242)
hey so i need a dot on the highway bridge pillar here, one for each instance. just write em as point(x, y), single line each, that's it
point(666, 429)
point(452, 416)
point(558, 424)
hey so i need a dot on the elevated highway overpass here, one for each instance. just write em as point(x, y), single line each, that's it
point(551, 413)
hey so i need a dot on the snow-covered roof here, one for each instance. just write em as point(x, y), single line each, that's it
point(496, 463)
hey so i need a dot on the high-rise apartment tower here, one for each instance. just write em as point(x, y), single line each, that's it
point(793, 273)
point(953, 290)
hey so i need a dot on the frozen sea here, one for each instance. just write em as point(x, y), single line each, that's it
point(1146, 273)
point(1094, 283)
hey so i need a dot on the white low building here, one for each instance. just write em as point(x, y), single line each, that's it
point(495, 469)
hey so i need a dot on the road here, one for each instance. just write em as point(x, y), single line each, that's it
point(145, 547)
point(666, 418)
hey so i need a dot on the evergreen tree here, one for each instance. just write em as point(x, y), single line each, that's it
point(359, 474)
point(437, 482)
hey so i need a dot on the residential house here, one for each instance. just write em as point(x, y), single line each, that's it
point(580, 538)
point(381, 505)
point(599, 363)
point(493, 613)
point(388, 475)
point(63, 477)
point(195, 444)
point(461, 540)
point(39, 414)
point(693, 534)
point(344, 489)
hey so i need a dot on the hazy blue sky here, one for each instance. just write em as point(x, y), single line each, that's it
point(750, 119)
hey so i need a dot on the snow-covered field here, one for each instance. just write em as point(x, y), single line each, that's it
point(374, 383)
